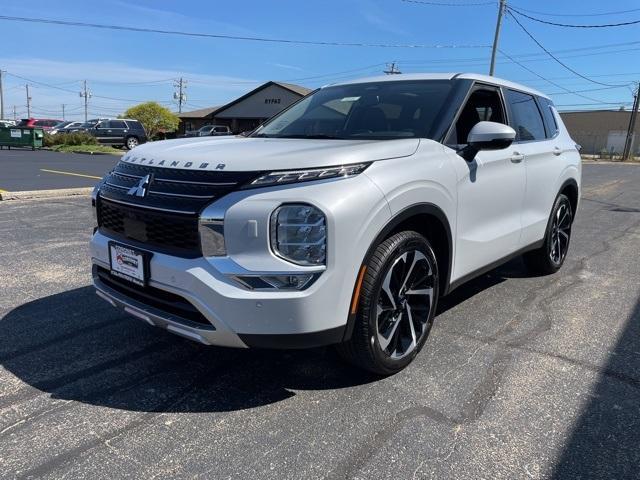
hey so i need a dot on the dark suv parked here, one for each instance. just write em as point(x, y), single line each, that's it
point(116, 131)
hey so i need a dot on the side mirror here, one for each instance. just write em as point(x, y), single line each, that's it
point(487, 136)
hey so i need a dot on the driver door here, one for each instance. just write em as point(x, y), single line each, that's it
point(490, 189)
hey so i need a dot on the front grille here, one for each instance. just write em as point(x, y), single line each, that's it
point(154, 229)
point(166, 218)
point(162, 300)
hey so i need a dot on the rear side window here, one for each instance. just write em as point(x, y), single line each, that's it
point(526, 118)
point(550, 123)
point(134, 125)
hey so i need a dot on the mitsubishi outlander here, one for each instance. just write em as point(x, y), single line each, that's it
point(341, 220)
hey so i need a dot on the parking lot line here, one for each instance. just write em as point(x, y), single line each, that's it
point(70, 173)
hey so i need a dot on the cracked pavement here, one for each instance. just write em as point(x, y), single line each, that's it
point(522, 376)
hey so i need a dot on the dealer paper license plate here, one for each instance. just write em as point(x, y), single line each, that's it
point(128, 263)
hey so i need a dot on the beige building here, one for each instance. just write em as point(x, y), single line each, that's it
point(248, 111)
point(601, 130)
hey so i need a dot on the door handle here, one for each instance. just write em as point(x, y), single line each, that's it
point(557, 151)
point(517, 157)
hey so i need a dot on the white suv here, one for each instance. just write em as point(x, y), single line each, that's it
point(341, 220)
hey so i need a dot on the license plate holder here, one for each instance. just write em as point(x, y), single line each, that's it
point(129, 263)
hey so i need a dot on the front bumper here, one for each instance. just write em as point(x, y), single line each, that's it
point(228, 314)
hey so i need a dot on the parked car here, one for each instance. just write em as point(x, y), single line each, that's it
point(65, 127)
point(7, 123)
point(209, 130)
point(44, 123)
point(116, 131)
point(343, 219)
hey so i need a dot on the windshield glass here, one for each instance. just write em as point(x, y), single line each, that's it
point(381, 110)
point(90, 124)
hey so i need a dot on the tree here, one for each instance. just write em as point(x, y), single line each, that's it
point(154, 117)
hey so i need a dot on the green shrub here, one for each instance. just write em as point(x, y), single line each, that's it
point(73, 138)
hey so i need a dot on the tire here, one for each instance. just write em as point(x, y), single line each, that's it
point(131, 143)
point(549, 258)
point(396, 306)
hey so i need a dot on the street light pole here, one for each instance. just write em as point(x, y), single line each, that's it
point(496, 38)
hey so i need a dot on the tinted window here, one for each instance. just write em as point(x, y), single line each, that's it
point(527, 121)
point(550, 122)
point(484, 104)
point(377, 110)
point(117, 124)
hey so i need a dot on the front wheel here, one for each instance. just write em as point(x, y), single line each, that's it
point(397, 303)
point(131, 143)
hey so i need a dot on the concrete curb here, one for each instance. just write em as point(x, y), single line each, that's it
point(608, 162)
point(30, 195)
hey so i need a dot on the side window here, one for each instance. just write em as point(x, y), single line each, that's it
point(484, 104)
point(527, 121)
point(117, 124)
point(103, 124)
point(550, 123)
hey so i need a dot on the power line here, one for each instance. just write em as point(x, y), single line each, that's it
point(552, 55)
point(602, 14)
point(449, 4)
point(225, 37)
point(571, 25)
point(548, 80)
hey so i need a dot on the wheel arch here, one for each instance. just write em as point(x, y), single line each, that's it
point(570, 189)
point(430, 221)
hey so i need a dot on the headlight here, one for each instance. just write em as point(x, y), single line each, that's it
point(299, 234)
point(294, 176)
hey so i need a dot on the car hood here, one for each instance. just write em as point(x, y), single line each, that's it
point(250, 154)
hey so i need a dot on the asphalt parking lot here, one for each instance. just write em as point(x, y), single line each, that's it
point(522, 377)
point(25, 170)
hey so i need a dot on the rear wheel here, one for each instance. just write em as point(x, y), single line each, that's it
point(131, 143)
point(550, 257)
point(397, 304)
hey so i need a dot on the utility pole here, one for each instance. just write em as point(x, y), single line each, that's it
point(63, 112)
point(501, 9)
point(628, 143)
point(14, 113)
point(1, 97)
point(392, 69)
point(87, 95)
point(180, 96)
point(28, 102)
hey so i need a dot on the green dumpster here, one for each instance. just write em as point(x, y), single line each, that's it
point(21, 137)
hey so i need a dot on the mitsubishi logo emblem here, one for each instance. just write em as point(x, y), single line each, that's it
point(140, 190)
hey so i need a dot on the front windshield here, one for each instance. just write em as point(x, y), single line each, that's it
point(381, 110)
point(205, 128)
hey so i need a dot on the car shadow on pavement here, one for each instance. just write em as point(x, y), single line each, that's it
point(74, 346)
point(513, 269)
point(605, 439)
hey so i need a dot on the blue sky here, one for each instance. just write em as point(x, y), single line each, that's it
point(129, 67)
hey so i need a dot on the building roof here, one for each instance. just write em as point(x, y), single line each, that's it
point(299, 89)
point(206, 112)
point(200, 113)
point(445, 76)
